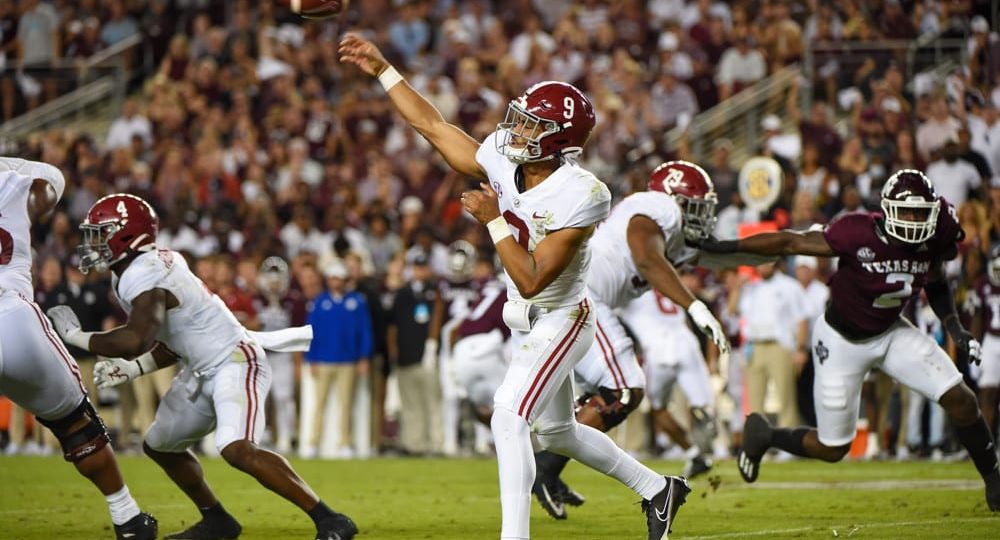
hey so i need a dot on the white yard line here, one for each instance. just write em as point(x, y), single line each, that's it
point(842, 531)
point(875, 485)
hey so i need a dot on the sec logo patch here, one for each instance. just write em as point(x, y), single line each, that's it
point(866, 254)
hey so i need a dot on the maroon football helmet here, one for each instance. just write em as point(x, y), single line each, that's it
point(551, 119)
point(911, 206)
point(993, 266)
point(116, 226)
point(694, 192)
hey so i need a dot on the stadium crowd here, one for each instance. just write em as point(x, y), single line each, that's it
point(251, 140)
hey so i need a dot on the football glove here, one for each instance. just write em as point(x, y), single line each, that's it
point(707, 323)
point(110, 372)
point(67, 325)
point(968, 346)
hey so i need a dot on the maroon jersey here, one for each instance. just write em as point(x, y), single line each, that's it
point(876, 276)
point(487, 312)
point(988, 304)
point(458, 298)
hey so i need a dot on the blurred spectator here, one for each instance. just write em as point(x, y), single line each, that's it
point(341, 348)
point(953, 177)
point(936, 130)
point(788, 146)
point(740, 66)
point(775, 313)
point(413, 353)
point(118, 26)
point(531, 37)
point(816, 296)
point(39, 46)
point(409, 34)
point(127, 126)
point(671, 101)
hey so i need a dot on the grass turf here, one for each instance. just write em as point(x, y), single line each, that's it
point(458, 499)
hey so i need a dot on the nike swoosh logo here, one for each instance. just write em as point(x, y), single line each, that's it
point(535, 215)
point(128, 535)
point(664, 515)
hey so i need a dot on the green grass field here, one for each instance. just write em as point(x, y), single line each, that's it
point(416, 499)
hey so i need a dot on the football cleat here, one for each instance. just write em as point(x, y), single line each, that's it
point(141, 527)
point(340, 527)
point(756, 441)
point(696, 466)
point(993, 492)
point(567, 494)
point(547, 492)
point(214, 529)
point(661, 509)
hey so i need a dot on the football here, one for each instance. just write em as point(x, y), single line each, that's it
point(315, 9)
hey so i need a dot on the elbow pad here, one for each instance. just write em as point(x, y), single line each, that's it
point(36, 169)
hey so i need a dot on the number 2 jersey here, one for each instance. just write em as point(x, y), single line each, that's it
point(876, 277)
point(201, 329)
point(614, 279)
point(15, 233)
point(570, 197)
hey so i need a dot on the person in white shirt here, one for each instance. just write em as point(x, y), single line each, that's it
point(816, 291)
point(774, 314)
point(533, 35)
point(952, 176)
point(540, 208)
point(739, 67)
point(127, 126)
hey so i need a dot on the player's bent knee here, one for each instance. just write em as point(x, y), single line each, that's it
point(960, 404)
point(833, 454)
point(240, 454)
point(81, 433)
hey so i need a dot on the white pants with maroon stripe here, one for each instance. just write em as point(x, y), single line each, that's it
point(36, 371)
point(230, 400)
point(990, 367)
point(611, 360)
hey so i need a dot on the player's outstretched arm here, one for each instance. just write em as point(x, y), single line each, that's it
point(47, 186)
point(942, 301)
point(648, 248)
point(531, 272)
point(138, 334)
point(456, 146)
point(773, 244)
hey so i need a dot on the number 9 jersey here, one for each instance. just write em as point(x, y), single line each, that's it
point(570, 197)
point(877, 276)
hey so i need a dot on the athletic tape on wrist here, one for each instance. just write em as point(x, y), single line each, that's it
point(498, 229)
point(389, 78)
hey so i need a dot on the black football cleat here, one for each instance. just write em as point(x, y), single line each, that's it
point(993, 492)
point(210, 529)
point(567, 494)
point(661, 509)
point(141, 527)
point(340, 527)
point(756, 441)
point(697, 466)
point(547, 492)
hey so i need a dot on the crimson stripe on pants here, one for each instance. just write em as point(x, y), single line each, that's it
point(613, 364)
point(571, 336)
point(250, 394)
point(607, 357)
point(56, 342)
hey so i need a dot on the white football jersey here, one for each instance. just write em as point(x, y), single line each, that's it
point(570, 197)
point(614, 279)
point(658, 323)
point(15, 233)
point(201, 329)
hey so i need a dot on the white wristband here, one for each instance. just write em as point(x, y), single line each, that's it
point(147, 364)
point(389, 78)
point(80, 340)
point(499, 229)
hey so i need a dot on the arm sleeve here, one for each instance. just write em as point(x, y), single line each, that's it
point(36, 169)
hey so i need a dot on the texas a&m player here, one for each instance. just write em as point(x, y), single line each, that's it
point(224, 378)
point(884, 261)
point(541, 209)
point(36, 370)
point(657, 230)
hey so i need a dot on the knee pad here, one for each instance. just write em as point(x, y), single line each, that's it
point(612, 405)
point(82, 442)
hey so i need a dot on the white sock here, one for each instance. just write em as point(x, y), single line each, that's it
point(516, 464)
point(692, 452)
point(597, 451)
point(122, 506)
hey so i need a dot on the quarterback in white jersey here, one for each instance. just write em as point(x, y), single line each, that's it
point(224, 378)
point(657, 227)
point(36, 370)
point(540, 208)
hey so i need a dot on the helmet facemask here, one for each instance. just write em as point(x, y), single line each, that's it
point(274, 278)
point(94, 252)
point(699, 216)
point(906, 230)
point(528, 130)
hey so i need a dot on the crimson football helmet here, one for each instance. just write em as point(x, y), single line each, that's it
point(116, 226)
point(911, 206)
point(993, 267)
point(551, 119)
point(694, 192)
